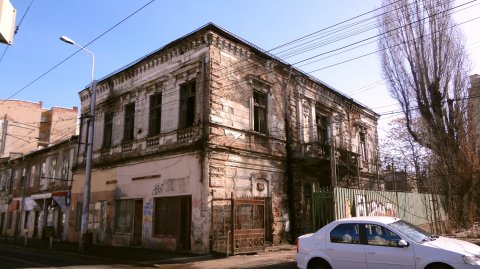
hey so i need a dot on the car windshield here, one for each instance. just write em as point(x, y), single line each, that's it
point(411, 231)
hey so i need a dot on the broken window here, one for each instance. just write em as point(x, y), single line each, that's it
point(107, 129)
point(129, 122)
point(155, 119)
point(259, 112)
point(187, 105)
point(322, 128)
point(124, 216)
point(65, 166)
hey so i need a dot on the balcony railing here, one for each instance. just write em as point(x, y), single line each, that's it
point(186, 134)
point(314, 149)
point(105, 152)
point(153, 142)
point(127, 146)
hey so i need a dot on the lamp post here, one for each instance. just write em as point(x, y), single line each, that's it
point(88, 166)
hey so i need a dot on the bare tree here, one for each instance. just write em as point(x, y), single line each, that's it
point(399, 148)
point(426, 69)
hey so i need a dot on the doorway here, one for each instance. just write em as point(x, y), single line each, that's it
point(137, 223)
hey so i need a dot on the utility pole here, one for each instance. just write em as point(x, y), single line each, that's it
point(85, 235)
point(4, 134)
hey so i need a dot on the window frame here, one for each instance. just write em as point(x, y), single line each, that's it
point(187, 104)
point(322, 126)
point(362, 143)
point(155, 114)
point(129, 122)
point(371, 242)
point(259, 104)
point(354, 240)
point(127, 226)
point(107, 129)
point(42, 173)
point(31, 175)
point(53, 170)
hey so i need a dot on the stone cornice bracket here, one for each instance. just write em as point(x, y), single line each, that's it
point(188, 70)
point(226, 45)
point(270, 65)
point(255, 81)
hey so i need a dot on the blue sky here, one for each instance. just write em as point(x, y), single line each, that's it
point(267, 24)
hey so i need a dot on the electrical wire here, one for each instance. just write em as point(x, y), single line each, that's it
point(17, 28)
point(73, 54)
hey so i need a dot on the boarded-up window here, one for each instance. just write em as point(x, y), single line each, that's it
point(167, 214)
point(172, 217)
point(124, 210)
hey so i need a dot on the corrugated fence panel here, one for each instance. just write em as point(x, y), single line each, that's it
point(417, 208)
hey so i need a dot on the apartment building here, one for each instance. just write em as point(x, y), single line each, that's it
point(26, 126)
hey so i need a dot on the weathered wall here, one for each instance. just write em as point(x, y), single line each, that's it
point(170, 176)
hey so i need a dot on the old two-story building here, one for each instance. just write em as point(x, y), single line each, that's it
point(35, 191)
point(210, 143)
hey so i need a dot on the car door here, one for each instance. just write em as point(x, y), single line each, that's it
point(344, 247)
point(382, 250)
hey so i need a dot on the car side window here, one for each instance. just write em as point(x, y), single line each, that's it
point(378, 235)
point(347, 233)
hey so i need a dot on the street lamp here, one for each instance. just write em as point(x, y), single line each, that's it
point(88, 165)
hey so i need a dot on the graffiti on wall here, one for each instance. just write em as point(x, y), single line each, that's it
point(201, 215)
point(147, 218)
point(364, 207)
point(169, 185)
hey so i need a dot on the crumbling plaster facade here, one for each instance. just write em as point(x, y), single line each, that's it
point(253, 134)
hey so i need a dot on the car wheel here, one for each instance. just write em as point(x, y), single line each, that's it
point(439, 266)
point(319, 264)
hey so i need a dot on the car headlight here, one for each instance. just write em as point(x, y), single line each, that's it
point(472, 260)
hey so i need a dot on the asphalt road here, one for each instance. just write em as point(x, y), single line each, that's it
point(16, 257)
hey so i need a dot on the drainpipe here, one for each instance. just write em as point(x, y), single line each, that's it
point(288, 160)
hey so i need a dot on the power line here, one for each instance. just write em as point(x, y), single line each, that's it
point(17, 28)
point(71, 55)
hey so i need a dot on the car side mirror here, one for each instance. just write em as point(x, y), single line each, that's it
point(402, 243)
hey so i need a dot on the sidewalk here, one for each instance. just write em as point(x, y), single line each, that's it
point(158, 258)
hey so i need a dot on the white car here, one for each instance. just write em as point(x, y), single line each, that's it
point(382, 243)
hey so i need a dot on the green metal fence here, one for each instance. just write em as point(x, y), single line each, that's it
point(417, 208)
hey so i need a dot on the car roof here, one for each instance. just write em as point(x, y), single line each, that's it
point(377, 219)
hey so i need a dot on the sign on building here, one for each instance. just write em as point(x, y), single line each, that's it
point(7, 22)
